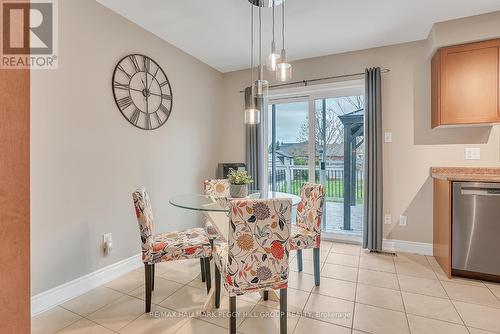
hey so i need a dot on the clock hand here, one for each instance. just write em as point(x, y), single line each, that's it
point(135, 89)
point(147, 93)
point(154, 77)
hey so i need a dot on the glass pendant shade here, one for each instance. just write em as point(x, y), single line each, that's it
point(260, 88)
point(272, 61)
point(284, 72)
point(252, 116)
point(274, 57)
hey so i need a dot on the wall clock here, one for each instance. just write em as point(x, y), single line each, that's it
point(142, 91)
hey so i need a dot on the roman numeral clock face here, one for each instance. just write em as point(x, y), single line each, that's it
point(142, 92)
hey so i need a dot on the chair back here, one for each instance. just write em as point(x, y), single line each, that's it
point(217, 187)
point(144, 213)
point(258, 244)
point(310, 208)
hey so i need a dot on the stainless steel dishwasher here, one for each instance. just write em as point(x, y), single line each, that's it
point(476, 230)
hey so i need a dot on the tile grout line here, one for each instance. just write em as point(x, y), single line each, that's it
point(183, 286)
point(309, 294)
point(81, 317)
point(451, 301)
point(497, 297)
point(316, 319)
point(402, 299)
point(123, 294)
point(355, 292)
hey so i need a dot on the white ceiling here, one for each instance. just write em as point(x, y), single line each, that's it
point(217, 32)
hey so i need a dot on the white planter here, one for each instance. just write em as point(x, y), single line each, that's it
point(238, 190)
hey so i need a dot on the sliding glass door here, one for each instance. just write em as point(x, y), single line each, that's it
point(288, 138)
point(319, 138)
point(340, 161)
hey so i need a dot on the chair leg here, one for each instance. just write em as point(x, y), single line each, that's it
point(153, 278)
point(217, 287)
point(148, 269)
point(283, 311)
point(202, 267)
point(299, 259)
point(232, 315)
point(266, 295)
point(208, 279)
point(316, 265)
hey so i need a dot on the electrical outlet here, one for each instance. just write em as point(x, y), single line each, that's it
point(107, 243)
point(388, 219)
point(403, 220)
point(472, 153)
point(388, 137)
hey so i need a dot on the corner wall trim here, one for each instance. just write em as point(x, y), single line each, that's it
point(58, 295)
point(393, 245)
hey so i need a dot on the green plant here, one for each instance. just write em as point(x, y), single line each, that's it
point(239, 177)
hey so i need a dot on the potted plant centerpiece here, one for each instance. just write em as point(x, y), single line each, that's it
point(239, 181)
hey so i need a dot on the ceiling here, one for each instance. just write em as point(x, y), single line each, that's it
point(217, 32)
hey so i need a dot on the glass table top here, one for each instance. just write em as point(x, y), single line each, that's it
point(220, 204)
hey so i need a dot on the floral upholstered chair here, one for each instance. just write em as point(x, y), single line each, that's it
point(216, 188)
point(188, 244)
point(256, 255)
point(307, 233)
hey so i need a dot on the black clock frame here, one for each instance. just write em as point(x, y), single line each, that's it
point(116, 100)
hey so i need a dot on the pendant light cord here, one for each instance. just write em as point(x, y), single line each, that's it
point(283, 23)
point(261, 73)
point(251, 49)
point(273, 23)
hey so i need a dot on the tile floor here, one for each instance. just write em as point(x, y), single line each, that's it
point(359, 293)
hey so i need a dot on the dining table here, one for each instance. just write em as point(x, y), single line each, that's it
point(216, 210)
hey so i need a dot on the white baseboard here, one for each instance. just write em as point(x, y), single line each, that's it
point(421, 248)
point(58, 295)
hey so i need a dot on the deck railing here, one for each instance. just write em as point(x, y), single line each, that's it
point(291, 178)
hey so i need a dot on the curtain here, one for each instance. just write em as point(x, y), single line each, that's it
point(372, 225)
point(254, 140)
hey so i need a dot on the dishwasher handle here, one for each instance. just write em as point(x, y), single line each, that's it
point(480, 191)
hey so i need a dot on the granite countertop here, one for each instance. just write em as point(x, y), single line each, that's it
point(478, 174)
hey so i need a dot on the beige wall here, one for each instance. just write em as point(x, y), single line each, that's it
point(406, 113)
point(86, 159)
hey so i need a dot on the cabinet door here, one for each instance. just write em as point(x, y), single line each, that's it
point(470, 84)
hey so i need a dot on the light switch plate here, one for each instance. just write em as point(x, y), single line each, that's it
point(472, 153)
point(403, 220)
point(388, 219)
point(388, 137)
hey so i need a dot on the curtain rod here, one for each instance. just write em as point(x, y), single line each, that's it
point(306, 82)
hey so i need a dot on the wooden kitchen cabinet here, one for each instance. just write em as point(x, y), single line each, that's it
point(465, 82)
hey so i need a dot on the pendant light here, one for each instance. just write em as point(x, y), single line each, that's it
point(283, 69)
point(261, 86)
point(274, 57)
point(252, 114)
